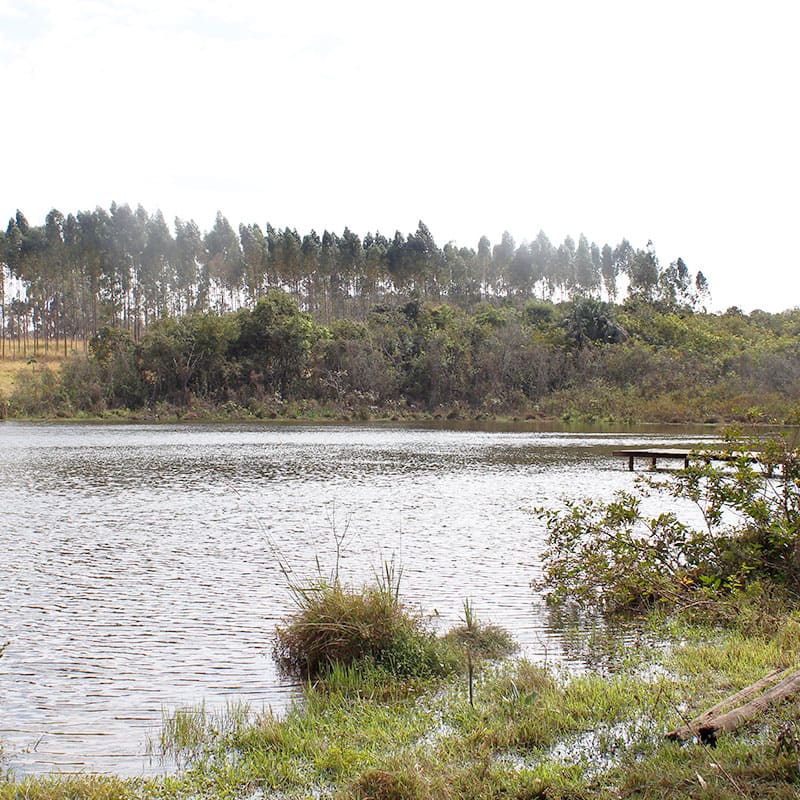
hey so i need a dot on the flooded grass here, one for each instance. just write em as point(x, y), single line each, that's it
point(106, 495)
point(363, 629)
point(533, 732)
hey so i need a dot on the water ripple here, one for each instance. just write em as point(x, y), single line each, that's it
point(140, 567)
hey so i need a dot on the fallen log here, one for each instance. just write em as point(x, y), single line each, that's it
point(686, 732)
point(733, 719)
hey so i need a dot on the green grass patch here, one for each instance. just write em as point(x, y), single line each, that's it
point(533, 732)
point(363, 629)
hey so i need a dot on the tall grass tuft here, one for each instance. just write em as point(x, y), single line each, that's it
point(481, 639)
point(335, 625)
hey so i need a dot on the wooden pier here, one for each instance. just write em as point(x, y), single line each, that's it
point(675, 454)
point(654, 453)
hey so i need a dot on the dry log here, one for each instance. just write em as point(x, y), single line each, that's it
point(733, 719)
point(692, 728)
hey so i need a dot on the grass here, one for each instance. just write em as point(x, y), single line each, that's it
point(15, 364)
point(533, 732)
point(363, 629)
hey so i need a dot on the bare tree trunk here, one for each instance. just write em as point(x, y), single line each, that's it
point(715, 720)
point(693, 728)
point(739, 716)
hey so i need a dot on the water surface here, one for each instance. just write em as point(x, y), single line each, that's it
point(140, 566)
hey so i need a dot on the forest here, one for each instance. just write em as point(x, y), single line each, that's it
point(70, 277)
point(269, 323)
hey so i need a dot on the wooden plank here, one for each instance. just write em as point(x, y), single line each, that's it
point(789, 686)
point(654, 453)
point(693, 728)
point(682, 454)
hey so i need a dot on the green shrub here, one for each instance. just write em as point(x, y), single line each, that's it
point(335, 625)
point(479, 639)
point(610, 556)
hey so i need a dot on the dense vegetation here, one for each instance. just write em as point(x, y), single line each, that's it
point(580, 359)
point(272, 324)
point(67, 279)
point(609, 556)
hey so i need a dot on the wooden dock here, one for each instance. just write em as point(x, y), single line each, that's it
point(654, 453)
point(675, 454)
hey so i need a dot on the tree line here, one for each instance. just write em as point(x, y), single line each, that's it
point(578, 359)
point(65, 280)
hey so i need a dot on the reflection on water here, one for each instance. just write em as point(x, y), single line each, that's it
point(140, 570)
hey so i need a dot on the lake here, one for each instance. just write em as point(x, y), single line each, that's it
point(141, 565)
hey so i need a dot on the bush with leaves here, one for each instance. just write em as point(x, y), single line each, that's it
point(611, 557)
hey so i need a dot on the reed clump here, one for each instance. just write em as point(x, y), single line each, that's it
point(334, 626)
point(481, 640)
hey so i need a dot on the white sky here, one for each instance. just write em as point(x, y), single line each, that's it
point(672, 121)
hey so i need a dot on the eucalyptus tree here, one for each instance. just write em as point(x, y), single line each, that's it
point(398, 263)
point(329, 267)
point(157, 274)
point(586, 277)
point(520, 277)
point(461, 273)
point(115, 272)
point(675, 286)
point(274, 254)
point(502, 254)
point(58, 269)
point(597, 263)
point(609, 270)
point(26, 259)
point(643, 273)
point(74, 287)
point(543, 261)
point(191, 278)
point(255, 260)
point(224, 261)
point(291, 261)
point(701, 284)
point(93, 247)
point(565, 266)
point(351, 271)
point(310, 253)
point(17, 322)
point(623, 255)
point(12, 257)
point(376, 265)
point(484, 261)
point(37, 276)
point(3, 276)
point(423, 258)
point(128, 239)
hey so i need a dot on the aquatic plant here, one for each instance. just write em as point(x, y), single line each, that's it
point(334, 624)
point(479, 641)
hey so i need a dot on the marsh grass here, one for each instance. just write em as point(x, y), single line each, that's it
point(483, 640)
point(185, 734)
point(334, 625)
point(72, 787)
point(535, 732)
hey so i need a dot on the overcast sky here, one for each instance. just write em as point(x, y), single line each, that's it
point(674, 121)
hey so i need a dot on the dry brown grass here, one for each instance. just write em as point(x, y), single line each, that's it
point(14, 363)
